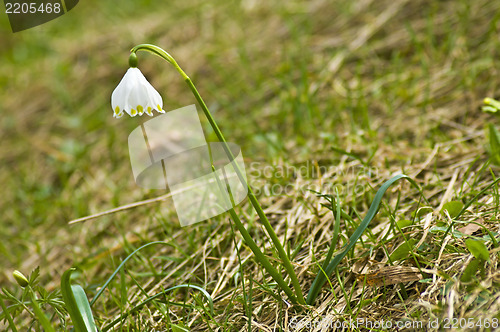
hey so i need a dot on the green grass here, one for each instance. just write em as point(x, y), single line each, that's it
point(363, 90)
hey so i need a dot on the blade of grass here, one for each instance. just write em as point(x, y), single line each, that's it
point(336, 231)
point(103, 288)
point(8, 316)
point(77, 304)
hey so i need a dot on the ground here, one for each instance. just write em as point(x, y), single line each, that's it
point(321, 96)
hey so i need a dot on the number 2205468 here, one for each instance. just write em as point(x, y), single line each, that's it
point(454, 323)
point(32, 8)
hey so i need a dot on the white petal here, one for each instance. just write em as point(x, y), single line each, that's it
point(154, 99)
point(134, 98)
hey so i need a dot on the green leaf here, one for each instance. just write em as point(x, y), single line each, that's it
point(177, 328)
point(84, 307)
point(489, 109)
point(478, 249)
point(404, 223)
point(454, 208)
point(423, 211)
point(77, 304)
point(494, 144)
point(470, 270)
point(426, 281)
point(336, 231)
point(444, 229)
point(403, 250)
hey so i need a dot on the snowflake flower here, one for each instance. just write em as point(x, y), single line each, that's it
point(135, 95)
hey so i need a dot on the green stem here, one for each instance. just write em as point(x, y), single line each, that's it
point(8, 316)
point(250, 242)
point(261, 258)
point(44, 321)
point(277, 244)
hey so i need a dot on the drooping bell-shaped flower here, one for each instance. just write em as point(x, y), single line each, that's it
point(135, 95)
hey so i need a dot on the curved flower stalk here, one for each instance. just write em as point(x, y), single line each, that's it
point(296, 296)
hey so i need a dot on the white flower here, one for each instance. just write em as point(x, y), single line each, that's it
point(135, 95)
